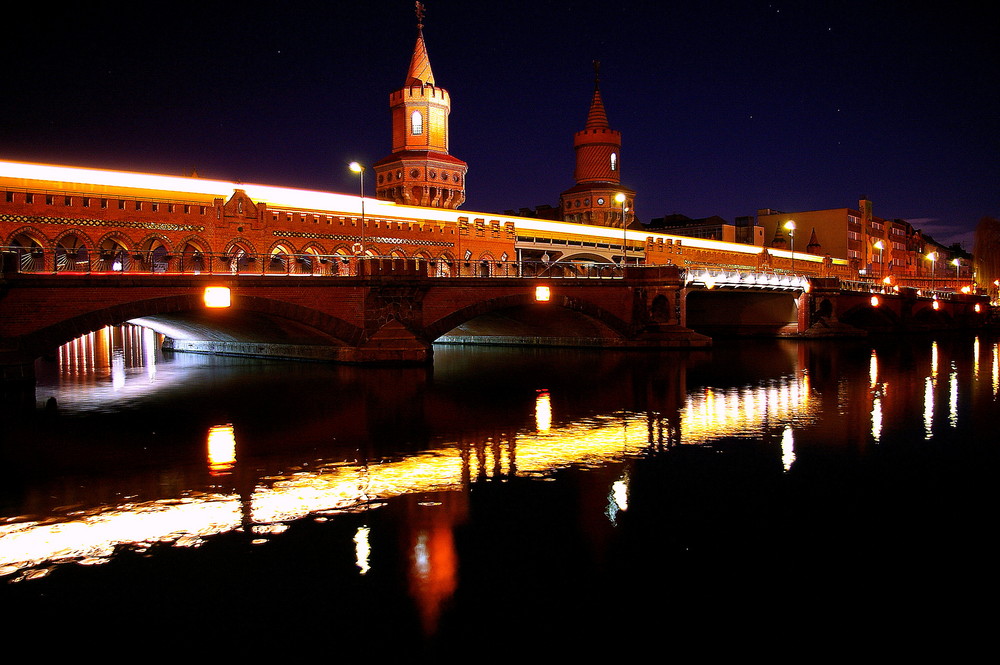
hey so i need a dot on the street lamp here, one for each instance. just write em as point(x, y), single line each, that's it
point(790, 227)
point(958, 264)
point(879, 245)
point(359, 247)
point(620, 198)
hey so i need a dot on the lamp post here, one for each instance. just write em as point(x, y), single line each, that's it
point(621, 198)
point(360, 246)
point(879, 245)
point(958, 264)
point(790, 227)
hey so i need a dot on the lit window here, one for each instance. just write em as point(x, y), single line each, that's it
point(417, 123)
point(614, 162)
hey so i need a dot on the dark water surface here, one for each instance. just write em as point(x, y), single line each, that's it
point(800, 500)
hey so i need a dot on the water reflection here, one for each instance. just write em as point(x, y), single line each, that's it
point(138, 460)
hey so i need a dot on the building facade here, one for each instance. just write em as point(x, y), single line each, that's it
point(874, 247)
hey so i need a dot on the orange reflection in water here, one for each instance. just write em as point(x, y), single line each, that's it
point(221, 449)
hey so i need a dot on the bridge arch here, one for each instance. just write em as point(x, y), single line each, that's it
point(605, 320)
point(28, 244)
point(26, 236)
point(866, 317)
point(73, 250)
point(185, 313)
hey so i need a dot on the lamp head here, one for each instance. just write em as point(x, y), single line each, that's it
point(356, 167)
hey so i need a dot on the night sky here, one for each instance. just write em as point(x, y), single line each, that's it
point(724, 107)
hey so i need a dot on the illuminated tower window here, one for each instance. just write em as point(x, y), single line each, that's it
point(614, 161)
point(417, 123)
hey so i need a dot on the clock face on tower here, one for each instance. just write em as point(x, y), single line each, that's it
point(600, 201)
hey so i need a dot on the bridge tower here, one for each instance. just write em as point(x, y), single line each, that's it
point(420, 171)
point(598, 171)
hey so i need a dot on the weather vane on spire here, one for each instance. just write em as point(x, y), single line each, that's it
point(597, 74)
point(420, 14)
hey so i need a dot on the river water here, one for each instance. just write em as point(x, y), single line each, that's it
point(764, 496)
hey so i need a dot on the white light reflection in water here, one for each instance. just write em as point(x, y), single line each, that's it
point(877, 392)
point(787, 448)
point(746, 412)
point(975, 359)
point(617, 498)
point(934, 359)
point(362, 550)
point(877, 417)
point(953, 396)
point(543, 410)
point(996, 368)
point(421, 556)
point(928, 407)
point(30, 546)
point(150, 344)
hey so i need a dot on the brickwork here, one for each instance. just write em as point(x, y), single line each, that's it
point(420, 172)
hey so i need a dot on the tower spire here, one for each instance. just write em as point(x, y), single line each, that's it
point(597, 117)
point(598, 171)
point(420, 171)
point(420, 65)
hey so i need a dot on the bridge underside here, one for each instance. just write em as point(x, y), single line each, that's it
point(535, 325)
point(244, 333)
point(720, 313)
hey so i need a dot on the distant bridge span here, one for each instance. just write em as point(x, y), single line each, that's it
point(394, 312)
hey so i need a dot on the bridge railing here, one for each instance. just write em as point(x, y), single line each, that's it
point(876, 287)
point(735, 278)
point(80, 261)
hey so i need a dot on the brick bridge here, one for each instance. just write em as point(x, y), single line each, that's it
point(393, 311)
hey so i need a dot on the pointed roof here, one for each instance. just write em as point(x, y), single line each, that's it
point(420, 66)
point(814, 247)
point(597, 118)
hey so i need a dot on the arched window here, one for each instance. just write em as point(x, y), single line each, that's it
point(417, 123)
point(614, 161)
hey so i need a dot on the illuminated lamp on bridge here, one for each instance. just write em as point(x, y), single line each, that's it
point(978, 308)
point(217, 297)
point(738, 279)
point(936, 304)
point(542, 294)
point(875, 301)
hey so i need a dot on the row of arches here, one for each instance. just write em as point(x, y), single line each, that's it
point(75, 250)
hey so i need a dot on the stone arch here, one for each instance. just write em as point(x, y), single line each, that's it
point(30, 233)
point(928, 317)
point(280, 258)
point(485, 265)
point(52, 337)
point(73, 250)
point(870, 318)
point(443, 265)
point(240, 255)
point(464, 314)
point(194, 254)
point(113, 252)
point(313, 260)
point(154, 252)
point(28, 245)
